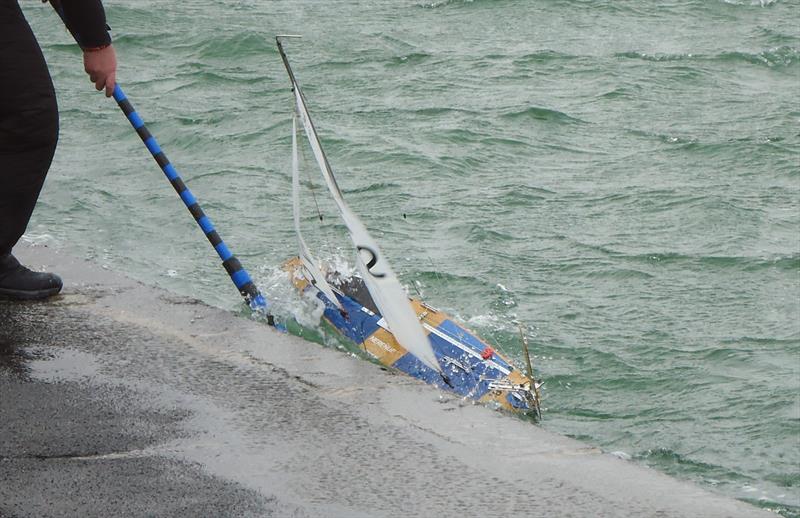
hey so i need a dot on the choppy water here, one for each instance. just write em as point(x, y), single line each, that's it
point(623, 176)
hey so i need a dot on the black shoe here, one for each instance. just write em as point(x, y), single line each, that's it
point(19, 283)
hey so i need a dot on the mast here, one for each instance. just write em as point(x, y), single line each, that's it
point(316, 145)
point(386, 291)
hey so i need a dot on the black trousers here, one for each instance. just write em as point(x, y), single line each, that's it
point(28, 123)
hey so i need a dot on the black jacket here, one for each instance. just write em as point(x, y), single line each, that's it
point(86, 20)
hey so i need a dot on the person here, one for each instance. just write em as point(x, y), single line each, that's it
point(29, 125)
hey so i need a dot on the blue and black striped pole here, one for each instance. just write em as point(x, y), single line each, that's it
point(241, 279)
point(238, 274)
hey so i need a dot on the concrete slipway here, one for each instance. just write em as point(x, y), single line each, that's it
point(119, 399)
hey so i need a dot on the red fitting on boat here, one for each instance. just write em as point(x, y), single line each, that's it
point(487, 353)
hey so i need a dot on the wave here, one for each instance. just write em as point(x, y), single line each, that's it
point(783, 56)
point(441, 280)
point(445, 3)
point(668, 460)
point(683, 143)
point(235, 46)
point(787, 480)
point(603, 6)
point(543, 114)
point(614, 198)
point(751, 3)
point(459, 135)
point(435, 111)
point(522, 195)
point(720, 355)
point(619, 273)
point(389, 59)
point(594, 269)
point(788, 263)
point(413, 58)
point(762, 342)
point(777, 38)
point(543, 56)
point(776, 57)
point(375, 187)
point(654, 57)
point(467, 136)
point(479, 234)
point(622, 92)
point(505, 141)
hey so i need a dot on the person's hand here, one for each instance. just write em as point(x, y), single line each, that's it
point(101, 65)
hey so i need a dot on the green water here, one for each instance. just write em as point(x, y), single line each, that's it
point(622, 176)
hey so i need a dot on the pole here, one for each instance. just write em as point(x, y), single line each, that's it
point(241, 279)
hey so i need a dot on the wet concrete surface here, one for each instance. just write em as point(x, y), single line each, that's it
point(119, 399)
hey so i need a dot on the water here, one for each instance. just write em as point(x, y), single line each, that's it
point(624, 177)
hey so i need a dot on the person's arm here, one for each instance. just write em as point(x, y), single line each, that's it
point(86, 19)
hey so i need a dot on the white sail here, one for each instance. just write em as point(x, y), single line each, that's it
point(389, 296)
point(312, 270)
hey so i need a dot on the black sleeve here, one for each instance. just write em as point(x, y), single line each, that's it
point(87, 21)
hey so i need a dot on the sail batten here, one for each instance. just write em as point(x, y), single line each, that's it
point(386, 290)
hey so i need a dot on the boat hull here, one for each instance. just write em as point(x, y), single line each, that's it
point(472, 369)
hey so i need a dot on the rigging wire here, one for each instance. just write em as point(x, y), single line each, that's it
point(326, 241)
point(308, 175)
